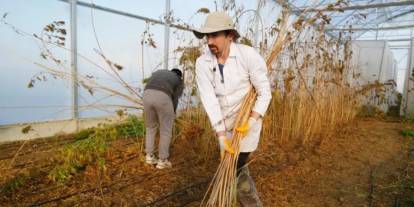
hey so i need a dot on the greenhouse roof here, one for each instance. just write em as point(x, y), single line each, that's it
point(390, 18)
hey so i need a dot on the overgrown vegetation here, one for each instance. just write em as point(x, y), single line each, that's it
point(90, 147)
point(370, 111)
point(13, 184)
point(407, 133)
point(405, 187)
point(193, 126)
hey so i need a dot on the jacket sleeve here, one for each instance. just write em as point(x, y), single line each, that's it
point(260, 81)
point(177, 94)
point(208, 97)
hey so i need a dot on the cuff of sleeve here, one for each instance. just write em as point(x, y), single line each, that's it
point(261, 109)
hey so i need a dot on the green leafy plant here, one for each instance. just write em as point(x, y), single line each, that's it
point(90, 147)
point(407, 133)
point(15, 183)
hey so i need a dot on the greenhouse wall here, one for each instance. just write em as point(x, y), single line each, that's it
point(374, 62)
point(407, 105)
point(43, 129)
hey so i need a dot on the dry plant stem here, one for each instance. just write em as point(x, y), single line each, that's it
point(17, 153)
point(113, 73)
point(93, 84)
point(118, 77)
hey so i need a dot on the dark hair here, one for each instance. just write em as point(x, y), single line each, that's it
point(235, 35)
point(177, 71)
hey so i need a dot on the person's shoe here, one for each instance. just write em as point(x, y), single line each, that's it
point(246, 190)
point(150, 159)
point(162, 164)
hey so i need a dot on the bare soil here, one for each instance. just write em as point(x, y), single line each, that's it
point(361, 164)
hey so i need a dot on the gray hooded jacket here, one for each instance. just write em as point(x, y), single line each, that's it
point(167, 82)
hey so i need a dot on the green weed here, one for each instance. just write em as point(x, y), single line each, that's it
point(90, 146)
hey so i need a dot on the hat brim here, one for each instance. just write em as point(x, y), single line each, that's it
point(200, 33)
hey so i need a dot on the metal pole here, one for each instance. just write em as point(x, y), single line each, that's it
point(167, 33)
point(376, 32)
point(409, 73)
point(142, 63)
point(375, 29)
point(382, 62)
point(297, 12)
point(359, 7)
point(256, 24)
point(126, 14)
point(74, 64)
point(406, 88)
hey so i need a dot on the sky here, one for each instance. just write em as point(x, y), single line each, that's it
point(119, 38)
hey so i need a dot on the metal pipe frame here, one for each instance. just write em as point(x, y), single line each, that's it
point(360, 7)
point(374, 28)
point(74, 61)
point(167, 33)
point(126, 14)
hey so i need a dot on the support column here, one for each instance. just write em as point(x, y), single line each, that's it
point(407, 105)
point(74, 61)
point(167, 33)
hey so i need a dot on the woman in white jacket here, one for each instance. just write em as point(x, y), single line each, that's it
point(224, 74)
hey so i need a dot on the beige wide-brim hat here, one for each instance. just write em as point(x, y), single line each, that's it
point(215, 22)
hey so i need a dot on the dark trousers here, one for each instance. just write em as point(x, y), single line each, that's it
point(246, 189)
point(243, 157)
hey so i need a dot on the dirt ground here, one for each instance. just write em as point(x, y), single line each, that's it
point(360, 165)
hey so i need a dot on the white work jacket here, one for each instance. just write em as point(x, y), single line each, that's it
point(222, 98)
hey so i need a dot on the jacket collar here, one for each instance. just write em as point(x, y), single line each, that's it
point(233, 52)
